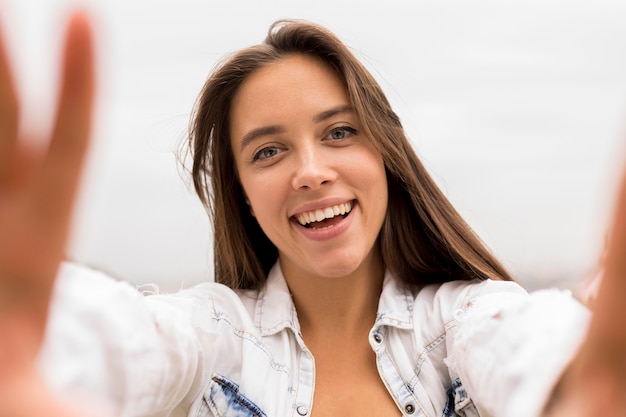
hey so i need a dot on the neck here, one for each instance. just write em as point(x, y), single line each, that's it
point(337, 307)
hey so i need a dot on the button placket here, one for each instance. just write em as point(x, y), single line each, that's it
point(304, 391)
point(403, 395)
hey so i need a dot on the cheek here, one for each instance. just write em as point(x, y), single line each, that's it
point(375, 172)
point(377, 181)
point(263, 197)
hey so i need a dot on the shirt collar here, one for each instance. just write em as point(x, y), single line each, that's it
point(395, 307)
point(276, 311)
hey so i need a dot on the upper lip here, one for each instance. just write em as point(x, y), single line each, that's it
point(318, 205)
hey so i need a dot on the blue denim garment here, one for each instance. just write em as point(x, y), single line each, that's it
point(456, 349)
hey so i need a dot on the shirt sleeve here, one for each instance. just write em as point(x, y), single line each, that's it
point(510, 348)
point(108, 347)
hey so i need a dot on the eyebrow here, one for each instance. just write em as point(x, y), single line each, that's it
point(344, 108)
point(272, 130)
point(261, 131)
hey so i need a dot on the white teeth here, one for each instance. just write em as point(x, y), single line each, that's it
point(326, 213)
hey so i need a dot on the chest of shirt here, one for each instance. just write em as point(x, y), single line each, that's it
point(274, 375)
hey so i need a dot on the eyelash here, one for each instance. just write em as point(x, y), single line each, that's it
point(350, 131)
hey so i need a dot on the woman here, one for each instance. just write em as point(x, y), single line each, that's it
point(423, 239)
point(354, 287)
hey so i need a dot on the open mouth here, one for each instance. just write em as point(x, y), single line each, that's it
point(326, 217)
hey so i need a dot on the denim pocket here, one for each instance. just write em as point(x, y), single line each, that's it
point(223, 399)
point(459, 404)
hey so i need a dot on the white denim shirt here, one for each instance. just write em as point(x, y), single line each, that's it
point(482, 348)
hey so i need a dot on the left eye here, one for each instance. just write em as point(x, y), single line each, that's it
point(340, 133)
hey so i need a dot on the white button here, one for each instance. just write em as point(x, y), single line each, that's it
point(302, 410)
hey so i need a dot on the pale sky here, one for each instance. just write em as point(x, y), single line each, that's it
point(516, 107)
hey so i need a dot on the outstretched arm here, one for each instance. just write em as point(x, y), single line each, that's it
point(37, 192)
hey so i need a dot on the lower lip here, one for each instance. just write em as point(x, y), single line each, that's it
point(328, 233)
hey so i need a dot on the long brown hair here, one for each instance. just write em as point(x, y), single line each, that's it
point(423, 239)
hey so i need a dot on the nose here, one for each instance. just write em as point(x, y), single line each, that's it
point(313, 170)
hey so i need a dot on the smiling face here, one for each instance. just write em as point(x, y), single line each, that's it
point(315, 183)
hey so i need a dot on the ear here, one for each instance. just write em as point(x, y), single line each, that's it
point(250, 207)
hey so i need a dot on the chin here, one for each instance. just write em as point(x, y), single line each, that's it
point(334, 264)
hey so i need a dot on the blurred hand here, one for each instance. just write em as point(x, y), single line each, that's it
point(37, 191)
point(594, 384)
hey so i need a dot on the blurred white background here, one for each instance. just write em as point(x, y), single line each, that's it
point(517, 107)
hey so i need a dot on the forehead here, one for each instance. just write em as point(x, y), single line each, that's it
point(297, 85)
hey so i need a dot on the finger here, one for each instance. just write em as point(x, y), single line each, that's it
point(62, 166)
point(609, 319)
point(27, 394)
point(8, 114)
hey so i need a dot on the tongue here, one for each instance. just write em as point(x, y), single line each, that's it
point(325, 223)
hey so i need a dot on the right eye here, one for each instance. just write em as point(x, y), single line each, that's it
point(266, 153)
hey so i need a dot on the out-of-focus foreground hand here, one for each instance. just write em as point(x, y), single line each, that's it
point(37, 192)
point(595, 383)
